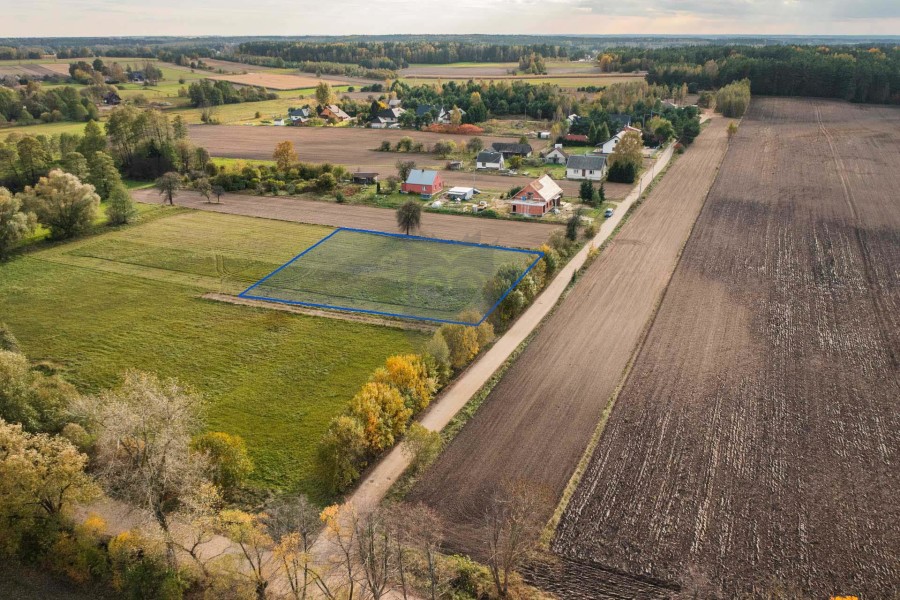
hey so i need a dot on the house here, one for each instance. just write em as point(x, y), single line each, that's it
point(620, 120)
point(509, 150)
point(425, 183)
point(278, 122)
point(488, 159)
point(387, 118)
point(537, 198)
point(576, 138)
point(299, 116)
point(609, 145)
point(112, 98)
point(441, 115)
point(365, 178)
point(395, 103)
point(462, 193)
point(588, 166)
point(556, 156)
point(572, 118)
point(669, 103)
point(333, 113)
point(136, 77)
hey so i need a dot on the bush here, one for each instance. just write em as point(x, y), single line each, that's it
point(422, 446)
point(339, 198)
point(325, 182)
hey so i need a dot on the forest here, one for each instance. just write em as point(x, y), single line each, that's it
point(861, 73)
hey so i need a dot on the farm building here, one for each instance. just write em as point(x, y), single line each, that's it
point(420, 181)
point(509, 150)
point(488, 159)
point(112, 98)
point(556, 156)
point(365, 178)
point(543, 135)
point(586, 167)
point(609, 145)
point(333, 113)
point(537, 198)
point(462, 193)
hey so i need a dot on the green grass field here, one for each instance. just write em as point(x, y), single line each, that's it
point(131, 298)
point(392, 275)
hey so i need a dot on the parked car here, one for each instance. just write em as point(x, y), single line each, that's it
point(608, 213)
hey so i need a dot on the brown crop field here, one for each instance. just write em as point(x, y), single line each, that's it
point(355, 148)
point(536, 423)
point(754, 451)
point(274, 81)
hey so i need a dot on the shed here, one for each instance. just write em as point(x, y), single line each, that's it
point(365, 178)
point(462, 193)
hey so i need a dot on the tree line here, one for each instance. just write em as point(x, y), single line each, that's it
point(397, 55)
point(30, 103)
point(858, 73)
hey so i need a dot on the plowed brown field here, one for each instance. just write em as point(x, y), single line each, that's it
point(355, 148)
point(536, 423)
point(755, 448)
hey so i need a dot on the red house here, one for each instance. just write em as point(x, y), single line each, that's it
point(537, 198)
point(423, 182)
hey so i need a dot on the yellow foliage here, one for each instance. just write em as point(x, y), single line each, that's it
point(462, 341)
point(409, 374)
point(380, 409)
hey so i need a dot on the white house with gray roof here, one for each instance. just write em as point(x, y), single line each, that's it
point(587, 166)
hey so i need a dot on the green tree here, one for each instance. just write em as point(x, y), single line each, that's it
point(34, 157)
point(586, 191)
point(76, 164)
point(168, 185)
point(63, 204)
point(324, 93)
point(120, 208)
point(104, 175)
point(404, 167)
point(475, 145)
point(15, 224)
point(601, 193)
point(179, 128)
point(341, 453)
point(218, 191)
point(226, 454)
point(93, 141)
point(573, 225)
point(409, 216)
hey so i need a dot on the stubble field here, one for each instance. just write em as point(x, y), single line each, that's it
point(754, 448)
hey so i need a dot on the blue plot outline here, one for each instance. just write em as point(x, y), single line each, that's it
point(246, 293)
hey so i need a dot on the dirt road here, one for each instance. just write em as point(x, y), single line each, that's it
point(753, 451)
point(536, 423)
point(468, 229)
point(355, 148)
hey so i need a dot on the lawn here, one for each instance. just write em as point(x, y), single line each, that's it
point(131, 298)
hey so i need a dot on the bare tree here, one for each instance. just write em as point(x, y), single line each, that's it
point(199, 512)
point(249, 532)
point(293, 523)
point(143, 430)
point(340, 529)
point(374, 546)
point(423, 529)
point(513, 523)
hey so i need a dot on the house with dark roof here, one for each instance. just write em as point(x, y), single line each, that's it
point(588, 166)
point(440, 114)
point(488, 159)
point(508, 150)
point(387, 118)
point(112, 98)
point(537, 198)
point(422, 182)
point(299, 116)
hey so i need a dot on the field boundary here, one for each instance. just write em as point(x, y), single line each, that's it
point(536, 253)
point(314, 312)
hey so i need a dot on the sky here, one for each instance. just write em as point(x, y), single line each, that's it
point(73, 18)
